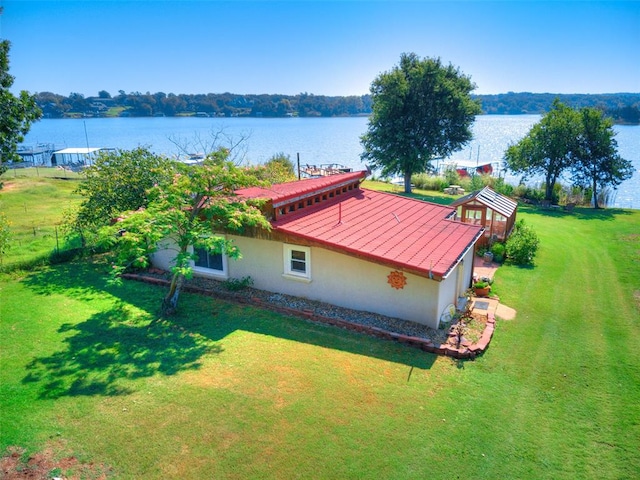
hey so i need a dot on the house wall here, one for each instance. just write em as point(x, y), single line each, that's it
point(340, 280)
point(458, 281)
point(344, 281)
point(336, 279)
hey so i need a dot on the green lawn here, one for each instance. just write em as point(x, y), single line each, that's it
point(226, 391)
point(427, 195)
point(34, 201)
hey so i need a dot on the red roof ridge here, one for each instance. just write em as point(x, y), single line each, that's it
point(282, 192)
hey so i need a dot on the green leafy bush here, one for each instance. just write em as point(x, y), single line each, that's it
point(498, 250)
point(425, 181)
point(278, 169)
point(236, 284)
point(529, 194)
point(451, 176)
point(522, 245)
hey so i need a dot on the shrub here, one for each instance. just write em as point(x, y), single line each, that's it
point(278, 169)
point(528, 194)
point(556, 193)
point(465, 183)
point(451, 175)
point(522, 245)
point(500, 186)
point(236, 284)
point(425, 181)
point(478, 182)
point(498, 250)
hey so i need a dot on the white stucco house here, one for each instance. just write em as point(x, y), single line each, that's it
point(336, 242)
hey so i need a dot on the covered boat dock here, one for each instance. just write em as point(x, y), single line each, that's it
point(76, 156)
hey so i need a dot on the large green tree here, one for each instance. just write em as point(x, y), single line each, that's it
point(117, 181)
point(189, 212)
point(16, 112)
point(597, 163)
point(422, 110)
point(548, 148)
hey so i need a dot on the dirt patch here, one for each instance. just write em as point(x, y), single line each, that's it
point(47, 464)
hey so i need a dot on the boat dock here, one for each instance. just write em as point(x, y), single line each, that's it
point(323, 170)
point(49, 155)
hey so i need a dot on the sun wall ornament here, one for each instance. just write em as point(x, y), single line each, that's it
point(397, 280)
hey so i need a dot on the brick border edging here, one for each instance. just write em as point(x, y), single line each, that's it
point(463, 353)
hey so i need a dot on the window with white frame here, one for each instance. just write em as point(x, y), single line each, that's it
point(209, 263)
point(297, 262)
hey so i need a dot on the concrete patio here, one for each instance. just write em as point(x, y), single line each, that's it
point(487, 304)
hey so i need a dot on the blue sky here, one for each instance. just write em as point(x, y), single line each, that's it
point(324, 47)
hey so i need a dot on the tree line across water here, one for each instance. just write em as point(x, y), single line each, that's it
point(622, 108)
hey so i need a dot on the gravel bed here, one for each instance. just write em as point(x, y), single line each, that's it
point(389, 324)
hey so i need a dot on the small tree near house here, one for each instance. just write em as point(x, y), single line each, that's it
point(522, 245)
point(117, 181)
point(197, 202)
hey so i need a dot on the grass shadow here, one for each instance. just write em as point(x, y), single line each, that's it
point(119, 344)
point(427, 198)
point(111, 346)
point(125, 341)
point(216, 319)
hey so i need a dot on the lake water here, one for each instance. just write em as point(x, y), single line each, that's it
point(316, 140)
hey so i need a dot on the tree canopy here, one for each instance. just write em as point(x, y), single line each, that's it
point(192, 210)
point(621, 107)
point(278, 169)
point(597, 162)
point(16, 113)
point(567, 140)
point(548, 147)
point(116, 182)
point(422, 110)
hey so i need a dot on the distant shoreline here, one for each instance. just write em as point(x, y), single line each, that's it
point(622, 108)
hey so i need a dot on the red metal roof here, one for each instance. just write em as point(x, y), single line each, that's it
point(283, 192)
point(391, 229)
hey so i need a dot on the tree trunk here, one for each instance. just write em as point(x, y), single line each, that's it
point(170, 301)
point(407, 182)
point(548, 191)
point(595, 194)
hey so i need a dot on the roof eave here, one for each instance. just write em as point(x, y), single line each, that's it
point(464, 253)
